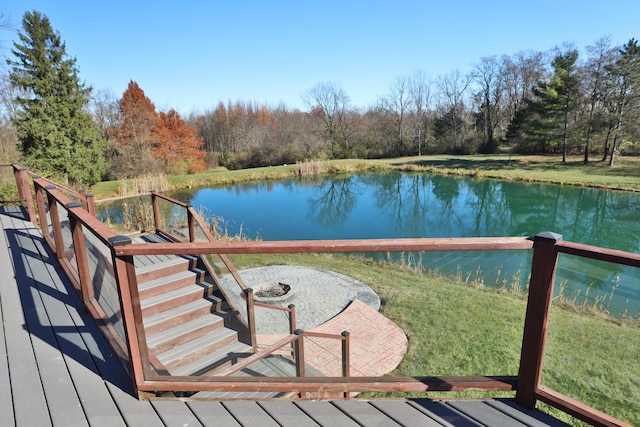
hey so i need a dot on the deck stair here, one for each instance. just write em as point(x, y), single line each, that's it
point(187, 330)
point(188, 326)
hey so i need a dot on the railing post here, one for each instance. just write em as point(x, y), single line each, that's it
point(292, 318)
point(42, 210)
point(251, 317)
point(543, 273)
point(24, 190)
point(80, 250)
point(156, 210)
point(346, 360)
point(191, 224)
point(83, 199)
point(58, 241)
point(292, 325)
point(131, 311)
point(299, 357)
point(91, 205)
point(17, 174)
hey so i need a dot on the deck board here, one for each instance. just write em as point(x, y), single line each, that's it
point(6, 402)
point(175, 413)
point(286, 414)
point(406, 414)
point(485, 414)
point(212, 414)
point(26, 386)
point(58, 369)
point(365, 413)
point(444, 414)
point(80, 359)
point(326, 414)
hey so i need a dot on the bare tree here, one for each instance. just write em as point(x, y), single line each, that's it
point(105, 109)
point(594, 74)
point(397, 105)
point(331, 104)
point(521, 73)
point(488, 74)
point(452, 89)
point(420, 94)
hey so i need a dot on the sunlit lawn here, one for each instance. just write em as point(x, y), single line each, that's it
point(455, 328)
point(624, 175)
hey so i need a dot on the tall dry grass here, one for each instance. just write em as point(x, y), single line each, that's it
point(143, 184)
point(310, 167)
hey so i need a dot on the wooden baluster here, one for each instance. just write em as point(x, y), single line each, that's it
point(543, 273)
point(251, 317)
point(156, 211)
point(191, 224)
point(125, 275)
point(58, 242)
point(80, 250)
point(346, 360)
point(299, 358)
point(91, 205)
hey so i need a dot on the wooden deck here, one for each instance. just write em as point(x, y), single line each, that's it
point(57, 368)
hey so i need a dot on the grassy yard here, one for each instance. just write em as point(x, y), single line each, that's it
point(463, 329)
point(625, 175)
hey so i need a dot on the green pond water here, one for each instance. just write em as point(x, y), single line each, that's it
point(398, 205)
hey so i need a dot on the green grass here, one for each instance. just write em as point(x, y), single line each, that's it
point(461, 329)
point(625, 175)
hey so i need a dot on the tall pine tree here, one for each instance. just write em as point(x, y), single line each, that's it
point(58, 138)
point(546, 122)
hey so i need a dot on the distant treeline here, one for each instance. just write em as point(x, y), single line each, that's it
point(530, 102)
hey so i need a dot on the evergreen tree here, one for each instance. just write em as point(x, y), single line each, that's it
point(556, 99)
point(58, 138)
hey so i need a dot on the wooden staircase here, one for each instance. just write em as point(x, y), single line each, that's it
point(187, 330)
point(192, 330)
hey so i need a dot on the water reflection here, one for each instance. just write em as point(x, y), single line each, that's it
point(388, 205)
point(332, 203)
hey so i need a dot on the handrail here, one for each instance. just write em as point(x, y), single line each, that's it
point(331, 246)
point(546, 247)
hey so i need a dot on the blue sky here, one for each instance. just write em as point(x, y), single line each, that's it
point(189, 55)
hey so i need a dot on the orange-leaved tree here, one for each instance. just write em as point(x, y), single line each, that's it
point(132, 149)
point(148, 142)
point(177, 145)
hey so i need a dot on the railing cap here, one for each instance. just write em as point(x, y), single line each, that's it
point(119, 240)
point(49, 187)
point(72, 205)
point(549, 235)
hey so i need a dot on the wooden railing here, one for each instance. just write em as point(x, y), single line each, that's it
point(84, 236)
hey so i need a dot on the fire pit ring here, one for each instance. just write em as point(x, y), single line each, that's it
point(273, 292)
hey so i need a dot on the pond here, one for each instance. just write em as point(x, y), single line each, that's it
point(397, 205)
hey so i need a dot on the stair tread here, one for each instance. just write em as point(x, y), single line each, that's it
point(149, 284)
point(183, 328)
point(144, 265)
point(204, 363)
point(176, 293)
point(195, 345)
point(176, 312)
